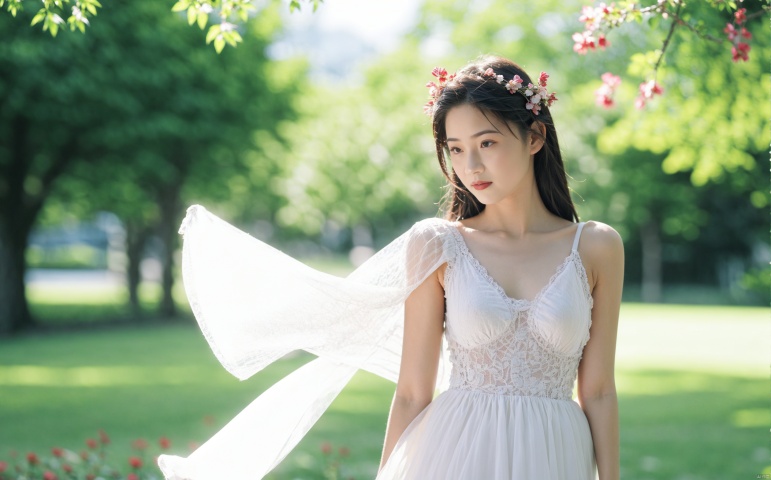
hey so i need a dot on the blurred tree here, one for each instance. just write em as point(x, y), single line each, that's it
point(137, 116)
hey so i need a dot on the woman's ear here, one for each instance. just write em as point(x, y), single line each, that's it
point(537, 137)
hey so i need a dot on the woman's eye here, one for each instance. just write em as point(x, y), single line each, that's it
point(487, 143)
point(454, 150)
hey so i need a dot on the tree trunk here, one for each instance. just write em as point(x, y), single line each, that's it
point(169, 203)
point(14, 310)
point(650, 237)
point(136, 237)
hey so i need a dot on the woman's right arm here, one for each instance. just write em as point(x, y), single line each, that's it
point(421, 348)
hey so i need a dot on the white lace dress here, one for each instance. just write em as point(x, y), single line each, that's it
point(509, 412)
point(506, 373)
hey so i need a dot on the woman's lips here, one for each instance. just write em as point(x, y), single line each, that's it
point(481, 186)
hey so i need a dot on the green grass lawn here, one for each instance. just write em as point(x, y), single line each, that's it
point(692, 384)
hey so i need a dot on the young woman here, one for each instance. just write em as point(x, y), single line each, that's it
point(528, 301)
point(497, 308)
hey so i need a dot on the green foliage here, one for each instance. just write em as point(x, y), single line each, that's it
point(52, 15)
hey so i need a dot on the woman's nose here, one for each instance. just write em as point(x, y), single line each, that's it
point(474, 163)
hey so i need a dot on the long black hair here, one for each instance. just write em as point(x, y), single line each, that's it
point(471, 86)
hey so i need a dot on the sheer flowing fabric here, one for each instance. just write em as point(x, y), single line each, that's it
point(254, 304)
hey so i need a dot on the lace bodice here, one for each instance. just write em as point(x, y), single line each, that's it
point(508, 346)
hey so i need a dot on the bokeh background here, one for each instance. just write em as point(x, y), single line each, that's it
point(310, 136)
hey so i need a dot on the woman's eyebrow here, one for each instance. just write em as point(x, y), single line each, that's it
point(475, 135)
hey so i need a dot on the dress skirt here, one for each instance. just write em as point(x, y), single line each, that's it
point(473, 435)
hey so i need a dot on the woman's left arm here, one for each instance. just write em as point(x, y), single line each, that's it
point(604, 251)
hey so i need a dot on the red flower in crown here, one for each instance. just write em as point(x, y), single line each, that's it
point(435, 89)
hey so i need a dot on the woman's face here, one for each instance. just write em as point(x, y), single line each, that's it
point(483, 149)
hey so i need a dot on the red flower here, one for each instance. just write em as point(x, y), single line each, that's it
point(344, 451)
point(164, 443)
point(32, 459)
point(132, 476)
point(49, 475)
point(91, 443)
point(326, 448)
point(440, 73)
point(135, 462)
point(139, 444)
point(57, 452)
point(3, 466)
point(67, 468)
point(741, 15)
point(103, 437)
point(543, 78)
point(602, 41)
point(740, 52)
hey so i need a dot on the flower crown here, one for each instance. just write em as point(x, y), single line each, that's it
point(537, 96)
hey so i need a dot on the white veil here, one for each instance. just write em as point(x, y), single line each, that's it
point(254, 304)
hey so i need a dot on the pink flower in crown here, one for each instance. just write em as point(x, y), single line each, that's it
point(489, 72)
point(551, 99)
point(543, 78)
point(514, 84)
point(440, 73)
point(535, 107)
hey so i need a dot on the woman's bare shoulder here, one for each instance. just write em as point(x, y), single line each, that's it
point(601, 248)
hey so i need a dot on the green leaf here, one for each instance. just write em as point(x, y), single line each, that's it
point(192, 14)
point(219, 43)
point(91, 8)
point(214, 30)
point(39, 16)
point(294, 5)
point(180, 6)
point(202, 19)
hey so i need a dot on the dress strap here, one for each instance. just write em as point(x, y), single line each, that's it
point(578, 235)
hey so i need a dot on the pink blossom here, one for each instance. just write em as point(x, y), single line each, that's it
point(602, 42)
point(49, 475)
point(740, 52)
point(32, 458)
point(543, 78)
point(551, 99)
point(489, 73)
point(604, 94)
point(132, 476)
point(741, 16)
point(730, 30)
point(583, 42)
point(164, 442)
point(57, 452)
point(647, 91)
point(135, 462)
